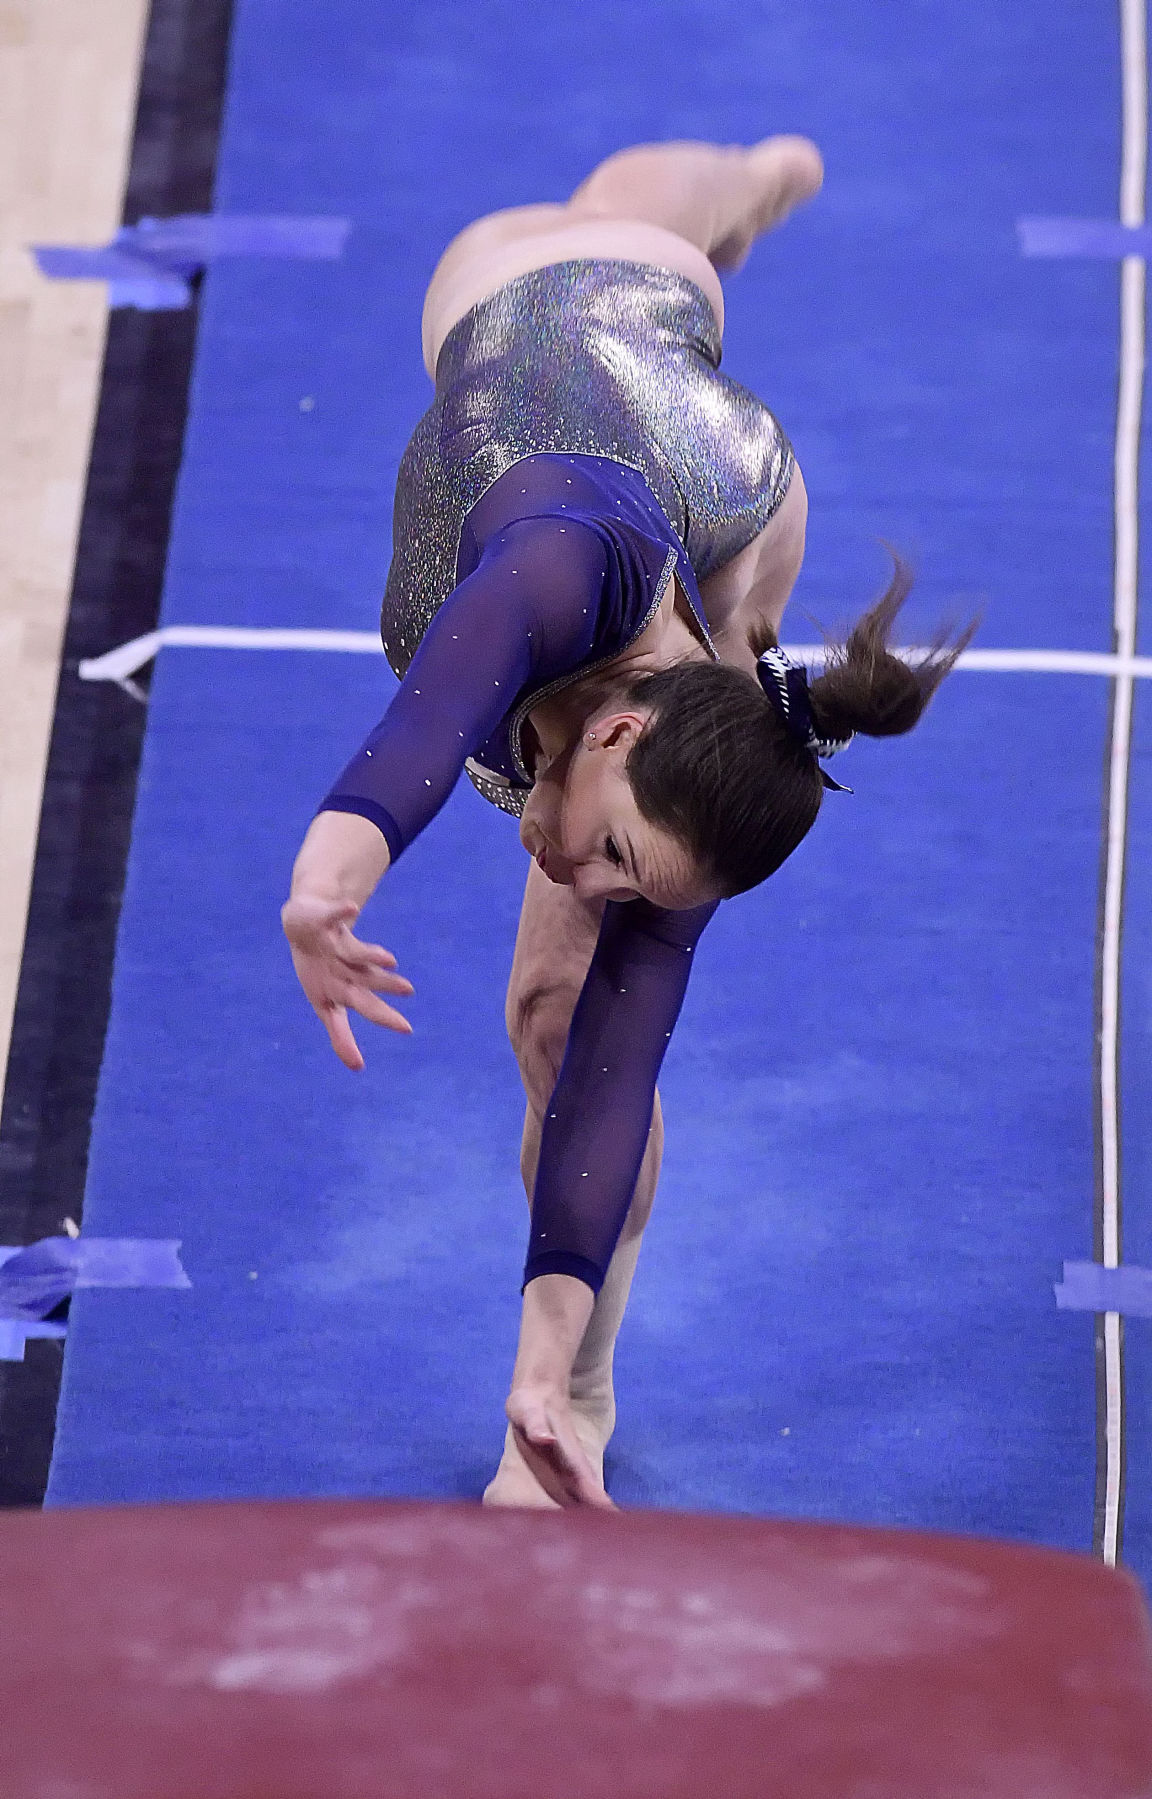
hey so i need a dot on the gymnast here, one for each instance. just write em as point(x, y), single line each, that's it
point(595, 537)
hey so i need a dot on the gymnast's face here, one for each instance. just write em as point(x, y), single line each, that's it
point(582, 826)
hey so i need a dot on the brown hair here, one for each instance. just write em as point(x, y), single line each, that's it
point(715, 765)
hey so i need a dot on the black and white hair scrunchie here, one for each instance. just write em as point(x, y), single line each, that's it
point(786, 684)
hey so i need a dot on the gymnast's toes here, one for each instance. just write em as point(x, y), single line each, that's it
point(796, 168)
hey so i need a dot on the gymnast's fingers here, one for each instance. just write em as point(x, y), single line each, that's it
point(383, 980)
point(364, 955)
point(561, 1477)
point(335, 1021)
point(370, 971)
point(376, 953)
point(567, 1455)
point(376, 1011)
point(577, 1476)
point(535, 1451)
point(556, 1456)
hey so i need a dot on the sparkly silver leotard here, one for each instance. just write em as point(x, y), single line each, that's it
point(597, 357)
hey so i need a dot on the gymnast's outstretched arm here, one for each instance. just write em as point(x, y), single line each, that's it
point(527, 611)
point(595, 1131)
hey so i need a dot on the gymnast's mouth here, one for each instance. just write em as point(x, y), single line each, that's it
point(541, 850)
point(534, 842)
point(540, 857)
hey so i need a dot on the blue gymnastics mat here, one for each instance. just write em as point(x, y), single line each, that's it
point(880, 1100)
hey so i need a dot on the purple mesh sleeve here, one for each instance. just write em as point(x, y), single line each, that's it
point(527, 612)
point(597, 1122)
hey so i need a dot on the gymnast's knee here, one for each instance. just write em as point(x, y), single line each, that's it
point(538, 1021)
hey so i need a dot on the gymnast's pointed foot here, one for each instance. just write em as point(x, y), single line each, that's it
point(792, 170)
point(788, 171)
point(552, 1456)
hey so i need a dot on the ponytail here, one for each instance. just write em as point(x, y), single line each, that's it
point(864, 687)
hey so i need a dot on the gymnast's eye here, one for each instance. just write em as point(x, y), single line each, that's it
point(613, 854)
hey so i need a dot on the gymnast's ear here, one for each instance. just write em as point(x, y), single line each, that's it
point(618, 729)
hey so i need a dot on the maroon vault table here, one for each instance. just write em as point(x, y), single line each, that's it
point(332, 1650)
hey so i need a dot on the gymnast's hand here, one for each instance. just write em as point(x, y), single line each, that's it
point(337, 971)
point(540, 1414)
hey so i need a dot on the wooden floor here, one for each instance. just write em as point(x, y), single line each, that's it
point(68, 77)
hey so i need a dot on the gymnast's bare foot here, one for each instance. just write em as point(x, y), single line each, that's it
point(793, 171)
point(790, 170)
point(554, 1452)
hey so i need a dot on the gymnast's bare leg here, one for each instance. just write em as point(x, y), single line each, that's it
point(697, 208)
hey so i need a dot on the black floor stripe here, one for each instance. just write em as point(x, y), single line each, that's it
point(86, 820)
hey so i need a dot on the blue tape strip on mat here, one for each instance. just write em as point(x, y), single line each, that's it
point(13, 1337)
point(150, 294)
point(1105, 238)
point(1090, 1287)
point(63, 262)
point(132, 281)
point(148, 265)
point(199, 237)
point(33, 1281)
